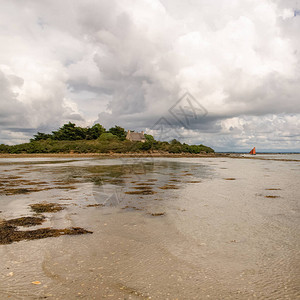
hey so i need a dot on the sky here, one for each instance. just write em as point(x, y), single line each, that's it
point(224, 73)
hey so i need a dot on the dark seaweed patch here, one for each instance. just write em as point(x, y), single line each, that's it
point(193, 181)
point(142, 187)
point(10, 234)
point(19, 191)
point(169, 187)
point(46, 207)
point(143, 192)
point(132, 208)
point(95, 205)
point(157, 214)
point(25, 221)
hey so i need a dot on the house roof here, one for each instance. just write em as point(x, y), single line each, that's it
point(135, 136)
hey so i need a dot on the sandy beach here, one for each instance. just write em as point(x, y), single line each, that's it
point(156, 227)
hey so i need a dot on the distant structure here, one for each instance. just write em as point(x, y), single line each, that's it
point(253, 151)
point(135, 136)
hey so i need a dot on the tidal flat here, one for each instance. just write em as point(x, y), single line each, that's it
point(149, 228)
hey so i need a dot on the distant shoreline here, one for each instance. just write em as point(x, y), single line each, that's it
point(139, 155)
point(112, 155)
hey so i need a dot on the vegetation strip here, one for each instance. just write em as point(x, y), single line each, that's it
point(75, 139)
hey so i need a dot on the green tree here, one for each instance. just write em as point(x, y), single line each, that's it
point(149, 138)
point(119, 132)
point(70, 132)
point(107, 137)
point(175, 142)
point(94, 132)
point(41, 136)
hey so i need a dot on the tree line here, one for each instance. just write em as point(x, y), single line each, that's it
point(71, 132)
point(96, 139)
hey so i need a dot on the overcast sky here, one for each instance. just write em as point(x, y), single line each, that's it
point(129, 62)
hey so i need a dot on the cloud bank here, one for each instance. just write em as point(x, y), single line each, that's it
point(127, 62)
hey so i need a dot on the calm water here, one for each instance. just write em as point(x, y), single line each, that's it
point(188, 228)
point(275, 156)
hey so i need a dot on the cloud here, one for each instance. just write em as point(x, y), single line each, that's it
point(128, 62)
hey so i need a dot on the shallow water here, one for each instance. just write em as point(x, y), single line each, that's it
point(295, 156)
point(206, 228)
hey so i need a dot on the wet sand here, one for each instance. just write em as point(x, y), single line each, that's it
point(162, 228)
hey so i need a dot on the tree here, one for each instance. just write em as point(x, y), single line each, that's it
point(107, 137)
point(41, 136)
point(149, 138)
point(119, 132)
point(70, 132)
point(175, 142)
point(94, 132)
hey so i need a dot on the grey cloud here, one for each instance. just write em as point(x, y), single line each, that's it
point(131, 61)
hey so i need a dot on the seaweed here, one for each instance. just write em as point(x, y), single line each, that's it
point(95, 205)
point(142, 187)
point(143, 192)
point(46, 207)
point(25, 221)
point(10, 234)
point(193, 181)
point(132, 207)
point(169, 187)
point(18, 191)
point(157, 214)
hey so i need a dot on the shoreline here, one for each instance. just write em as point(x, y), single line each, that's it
point(112, 155)
point(136, 155)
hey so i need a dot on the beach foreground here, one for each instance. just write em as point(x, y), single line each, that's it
point(156, 228)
